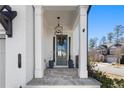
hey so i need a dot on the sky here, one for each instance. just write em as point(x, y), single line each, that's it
point(102, 19)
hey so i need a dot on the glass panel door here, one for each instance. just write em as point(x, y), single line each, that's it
point(61, 50)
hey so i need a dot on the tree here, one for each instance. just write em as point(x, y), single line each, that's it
point(92, 54)
point(118, 53)
point(92, 51)
point(121, 40)
point(110, 37)
point(103, 40)
point(119, 30)
point(92, 42)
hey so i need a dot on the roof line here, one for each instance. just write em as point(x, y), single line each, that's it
point(89, 9)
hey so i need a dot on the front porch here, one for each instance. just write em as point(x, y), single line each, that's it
point(62, 77)
point(34, 44)
point(63, 47)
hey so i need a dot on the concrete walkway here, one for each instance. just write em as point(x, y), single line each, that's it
point(62, 77)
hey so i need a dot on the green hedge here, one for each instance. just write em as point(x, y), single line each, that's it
point(105, 80)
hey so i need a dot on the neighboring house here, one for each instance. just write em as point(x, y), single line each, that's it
point(31, 43)
point(101, 52)
point(111, 51)
point(116, 51)
point(113, 48)
point(102, 49)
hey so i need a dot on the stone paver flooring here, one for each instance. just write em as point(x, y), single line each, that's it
point(63, 76)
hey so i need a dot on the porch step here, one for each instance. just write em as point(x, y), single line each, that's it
point(54, 82)
point(61, 73)
point(62, 77)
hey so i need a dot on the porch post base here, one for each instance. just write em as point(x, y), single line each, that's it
point(83, 74)
point(39, 74)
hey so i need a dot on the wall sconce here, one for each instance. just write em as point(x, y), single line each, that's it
point(6, 18)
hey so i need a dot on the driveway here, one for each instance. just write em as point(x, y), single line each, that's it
point(111, 69)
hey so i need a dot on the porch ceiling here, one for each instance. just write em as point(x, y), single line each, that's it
point(66, 14)
point(60, 8)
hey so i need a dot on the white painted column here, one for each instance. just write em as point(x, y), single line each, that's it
point(39, 63)
point(83, 73)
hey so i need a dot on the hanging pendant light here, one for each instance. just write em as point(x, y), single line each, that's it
point(59, 31)
point(58, 28)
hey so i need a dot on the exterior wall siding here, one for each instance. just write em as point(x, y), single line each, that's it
point(21, 42)
point(2, 62)
point(75, 43)
point(29, 44)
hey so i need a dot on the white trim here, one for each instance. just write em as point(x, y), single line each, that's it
point(39, 60)
point(83, 73)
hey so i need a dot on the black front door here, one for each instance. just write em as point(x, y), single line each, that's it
point(61, 50)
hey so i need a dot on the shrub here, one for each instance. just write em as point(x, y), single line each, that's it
point(105, 80)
